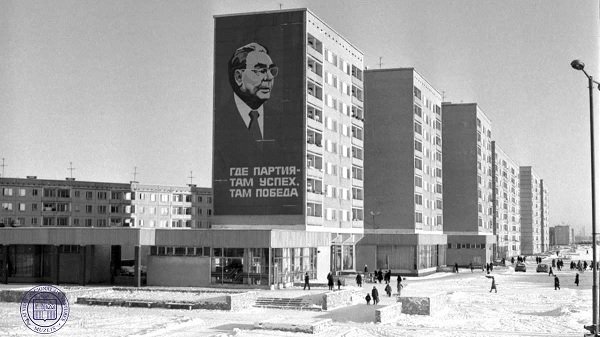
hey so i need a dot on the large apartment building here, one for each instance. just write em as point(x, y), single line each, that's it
point(544, 219)
point(506, 219)
point(532, 232)
point(403, 182)
point(297, 173)
point(468, 184)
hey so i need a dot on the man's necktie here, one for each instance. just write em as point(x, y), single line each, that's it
point(253, 126)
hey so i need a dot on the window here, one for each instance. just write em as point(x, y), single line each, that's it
point(7, 191)
point(419, 217)
point(418, 181)
point(116, 195)
point(88, 195)
point(21, 192)
point(77, 194)
point(357, 73)
point(34, 207)
point(63, 193)
point(88, 208)
point(102, 195)
point(314, 43)
point(357, 153)
point(101, 222)
point(418, 163)
point(314, 66)
point(357, 173)
point(102, 209)
point(7, 206)
point(418, 128)
point(114, 208)
point(357, 214)
point(357, 93)
point(418, 199)
point(417, 92)
point(357, 132)
point(417, 110)
point(418, 145)
point(314, 209)
point(357, 193)
point(312, 113)
point(22, 207)
point(438, 204)
point(314, 90)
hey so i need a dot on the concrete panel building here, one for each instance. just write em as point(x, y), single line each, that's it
point(562, 235)
point(531, 211)
point(403, 167)
point(302, 172)
point(506, 219)
point(468, 188)
point(544, 220)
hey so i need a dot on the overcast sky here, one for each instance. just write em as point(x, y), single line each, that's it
point(113, 85)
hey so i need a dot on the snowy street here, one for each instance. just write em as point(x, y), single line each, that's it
point(526, 305)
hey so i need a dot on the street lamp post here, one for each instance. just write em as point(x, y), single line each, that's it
point(578, 65)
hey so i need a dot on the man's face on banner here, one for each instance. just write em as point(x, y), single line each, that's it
point(256, 80)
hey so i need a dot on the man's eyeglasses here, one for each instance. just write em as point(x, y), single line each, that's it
point(273, 70)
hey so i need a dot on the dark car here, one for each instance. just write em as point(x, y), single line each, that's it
point(520, 267)
point(542, 268)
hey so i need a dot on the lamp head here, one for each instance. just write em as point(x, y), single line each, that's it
point(577, 65)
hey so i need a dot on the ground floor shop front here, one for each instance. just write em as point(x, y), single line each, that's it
point(171, 257)
point(405, 254)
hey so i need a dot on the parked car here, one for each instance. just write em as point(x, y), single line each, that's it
point(542, 268)
point(499, 262)
point(520, 267)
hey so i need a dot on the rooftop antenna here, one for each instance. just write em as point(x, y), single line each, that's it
point(3, 166)
point(380, 63)
point(135, 173)
point(191, 178)
point(71, 168)
point(443, 96)
point(280, 6)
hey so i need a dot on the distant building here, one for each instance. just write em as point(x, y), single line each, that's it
point(531, 212)
point(468, 187)
point(562, 235)
point(544, 216)
point(507, 222)
point(403, 167)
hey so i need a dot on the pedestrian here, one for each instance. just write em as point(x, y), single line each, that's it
point(556, 282)
point(487, 268)
point(379, 278)
point(375, 295)
point(512, 260)
point(493, 285)
point(471, 266)
point(366, 269)
point(330, 281)
point(358, 280)
point(577, 279)
point(553, 263)
point(399, 285)
point(550, 272)
point(388, 290)
point(456, 267)
point(388, 276)
point(306, 279)
point(368, 299)
point(339, 283)
point(585, 265)
point(491, 266)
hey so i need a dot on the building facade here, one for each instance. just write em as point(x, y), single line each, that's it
point(505, 192)
point(544, 218)
point(302, 172)
point(531, 211)
point(403, 182)
point(562, 235)
point(468, 184)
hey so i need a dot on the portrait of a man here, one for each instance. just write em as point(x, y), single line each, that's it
point(259, 128)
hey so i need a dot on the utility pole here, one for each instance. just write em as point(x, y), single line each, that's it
point(380, 63)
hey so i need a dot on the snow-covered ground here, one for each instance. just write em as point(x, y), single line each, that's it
point(526, 305)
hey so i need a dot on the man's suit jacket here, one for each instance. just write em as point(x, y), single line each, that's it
point(235, 147)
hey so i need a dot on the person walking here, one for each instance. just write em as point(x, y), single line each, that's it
point(379, 277)
point(399, 286)
point(493, 285)
point(512, 260)
point(577, 279)
point(456, 267)
point(388, 290)
point(368, 299)
point(306, 281)
point(550, 272)
point(358, 280)
point(556, 282)
point(339, 283)
point(471, 266)
point(388, 276)
point(375, 295)
point(330, 281)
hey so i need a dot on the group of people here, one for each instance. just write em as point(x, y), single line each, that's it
point(374, 295)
